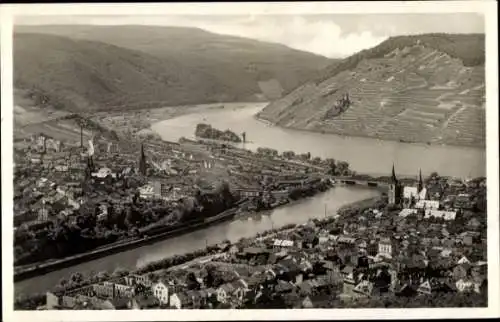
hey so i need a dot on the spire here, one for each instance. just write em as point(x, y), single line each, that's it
point(420, 181)
point(81, 136)
point(393, 177)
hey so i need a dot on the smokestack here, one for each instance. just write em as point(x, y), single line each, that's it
point(81, 136)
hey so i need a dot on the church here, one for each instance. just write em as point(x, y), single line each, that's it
point(408, 195)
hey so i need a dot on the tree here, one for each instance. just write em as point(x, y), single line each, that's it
point(191, 282)
point(76, 277)
point(342, 168)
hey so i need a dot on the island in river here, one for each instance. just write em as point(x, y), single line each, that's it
point(206, 131)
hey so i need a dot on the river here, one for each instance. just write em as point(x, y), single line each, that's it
point(364, 155)
point(313, 207)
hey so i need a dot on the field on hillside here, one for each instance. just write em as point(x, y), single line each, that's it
point(413, 94)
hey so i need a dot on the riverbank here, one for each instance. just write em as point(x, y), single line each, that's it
point(366, 136)
point(46, 267)
point(138, 122)
point(197, 254)
point(232, 230)
point(21, 273)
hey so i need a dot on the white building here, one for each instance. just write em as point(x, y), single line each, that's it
point(405, 212)
point(409, 192)
point(446, 215)
point(103, 173)
point(385, 248)
point(283, 243)
point(160, 291)
point(427, 204)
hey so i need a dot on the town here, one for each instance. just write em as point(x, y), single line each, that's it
point(421, 243)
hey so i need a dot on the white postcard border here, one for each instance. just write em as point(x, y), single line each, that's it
point(488, 8)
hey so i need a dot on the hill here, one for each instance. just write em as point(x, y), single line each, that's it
point(32, 119)
point(427, 88)
point(209, 67)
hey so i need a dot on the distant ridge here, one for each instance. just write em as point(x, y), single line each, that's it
point(168, 65)
point(425, 88)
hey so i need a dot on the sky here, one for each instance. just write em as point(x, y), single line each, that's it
point(330, 35)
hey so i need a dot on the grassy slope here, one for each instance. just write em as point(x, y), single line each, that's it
point(227, 67)
point(427, 88)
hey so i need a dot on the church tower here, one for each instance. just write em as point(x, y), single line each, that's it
point(394, 193)
point(420, 182)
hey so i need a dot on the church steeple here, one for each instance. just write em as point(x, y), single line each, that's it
point(393, 176)
point(420, 181)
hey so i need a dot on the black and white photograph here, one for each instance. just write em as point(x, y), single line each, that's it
point(171, 158)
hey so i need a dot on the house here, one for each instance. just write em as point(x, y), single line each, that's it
point(461, 271)
point(180, 300)
point(224, 292)
point(134, 279)
point(361, 244)
point(463, 201)
point(307, 303)
point(346, 240)
point(124, 291)
point(405, 212)
point(463, 260)
point(445, 252)
point(233, 250)
point(427, 204)
point(279, 243)
point(248, 192)
point(363, 289)
point(425, 288)
point(348, 274)
point(464, 285)
point(104, 173)
point(161, 291)
point(446, 215)
point(240, 289)
point(385, 247)
point(322, 240)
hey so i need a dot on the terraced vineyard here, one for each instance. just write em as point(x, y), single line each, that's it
point(413, 94)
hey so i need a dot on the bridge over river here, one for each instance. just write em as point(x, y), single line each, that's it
point(362, 182)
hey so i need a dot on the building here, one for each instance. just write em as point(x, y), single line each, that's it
point(463, 201)
point(161, 292)
point(385, 247)
point(394, 193)
point(427, 204)
point(405, 212)
point(446, 215)
point(180, 300)
point(248, 192)
point(224, 292)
